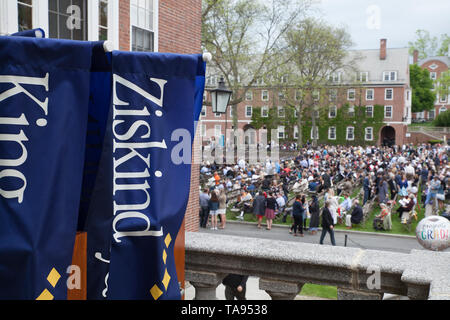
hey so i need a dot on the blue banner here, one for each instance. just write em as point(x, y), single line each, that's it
point(44, 98)
point(143, 182)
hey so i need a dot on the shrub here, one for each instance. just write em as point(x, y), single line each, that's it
point(443, 119)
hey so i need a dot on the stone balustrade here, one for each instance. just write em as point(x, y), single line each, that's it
point(284, 267)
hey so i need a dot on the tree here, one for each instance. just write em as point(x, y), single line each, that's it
point(424, 43)
point(442, 84)
point(245, 37)
point(443, 119)
point(445, 43)
point(315, 51)
point(422, 95)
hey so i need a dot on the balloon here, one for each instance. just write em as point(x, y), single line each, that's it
point(433, 233)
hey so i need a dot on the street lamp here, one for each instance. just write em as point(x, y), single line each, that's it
point(220, 98)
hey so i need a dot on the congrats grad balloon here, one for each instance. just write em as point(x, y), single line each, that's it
point(433, 233)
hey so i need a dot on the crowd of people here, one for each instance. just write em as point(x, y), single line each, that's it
point(388, 176)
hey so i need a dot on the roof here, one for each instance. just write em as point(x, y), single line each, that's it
point(443, 59)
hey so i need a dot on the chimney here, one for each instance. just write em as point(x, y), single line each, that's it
point(416, 56)
point(383, 49)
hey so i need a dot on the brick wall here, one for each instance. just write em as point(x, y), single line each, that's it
point(124, 25)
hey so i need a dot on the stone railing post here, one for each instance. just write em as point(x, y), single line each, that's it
point(280, 290)
point(205, 283)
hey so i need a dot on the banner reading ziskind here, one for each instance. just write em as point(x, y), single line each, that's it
point(156, 98)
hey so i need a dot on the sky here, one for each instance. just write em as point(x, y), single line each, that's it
point(368, 21)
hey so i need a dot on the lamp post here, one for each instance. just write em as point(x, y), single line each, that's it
point(220, 98)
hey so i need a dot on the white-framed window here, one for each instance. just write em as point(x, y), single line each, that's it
point(442, 109)
point(369, 111)
point(265, 95)
point(335, 77)
point(298, 95)
point(362, 76)
point(442, 98)
point(316, 95)
point(296, 111)
point(388, 94)
point(217, 130)
point(332, 133)
point(281, 96)
point(259, 81)
point(351, 111)
point(333, 94)
point(431, 114)
point(285, 79)
point(203, 132)
point(315, 133)
point(68, 19)
point(280, 132)
point(433, 75)
point(351, 94)
point(281, 112)
point(203, 112)
point(143, 19)
point(231, 111)
point(295, 132)
point(249, 95)
point(264, 111)
point(25, 15)
point(248, 111)
point(218, 115)
point(350, 133)
point(370, 94)
point(368, 134)
point(389, 75)
point(332, 112)
point(388, 112)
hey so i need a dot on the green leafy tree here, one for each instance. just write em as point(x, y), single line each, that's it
point(424, 43)
point(422, 95)
point(443, 119)
point(445, 43)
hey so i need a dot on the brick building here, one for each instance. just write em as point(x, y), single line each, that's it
point(131, 25)
point(382, 78)
point(436, 66)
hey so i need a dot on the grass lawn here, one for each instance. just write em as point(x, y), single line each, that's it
point(314, 290)
point(424, 124)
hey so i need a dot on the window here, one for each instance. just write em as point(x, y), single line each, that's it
point(442, 109)
point(281, 112)
point(431, 114)
point(442, 97)
point(249, 95)
point(335, 77)
point(316, 95)
point(433, 75)
point(388, 111)
point(298, 95)
point(264, 111)
point(351, 111)
point(281, 96)
point(390, 76)
point(296, 112)
point(142, 22)
point(369, 111)
point(333, 94)
point(205, 96)
point(280, 132)
point(362, 76)
point(259, 81)
point(103, 20)
point(350, 133)
point(388, 94)
point(203, 132)
point(203, 113)
point(332, 133)
point(351, 94)
point(231, 111)
point(25, 14)
point(248, 111)
point(211, 80)
point(315, 133)
point(218, 115)
point(218, 130)
point(265, 95)
point(67, 19)
point(369, 94)
point(332, 112)
point(295, 132)
point(369, 134)
point(285, 79)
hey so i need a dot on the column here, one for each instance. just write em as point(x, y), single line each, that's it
point(205, 284)
point(280, 290)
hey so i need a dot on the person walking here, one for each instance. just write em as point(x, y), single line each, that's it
point(213, 209)
point(235, 286)
point(222, 211)
point(204, 208)
point(327, 224)
point(314, 210)
point(271, 207)
point(259, 207)
point(297, 214)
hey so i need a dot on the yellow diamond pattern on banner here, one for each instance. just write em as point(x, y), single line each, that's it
point(168, 240)
point(53, 277)
point(156, 292)
point(164, 256)
point(166, 279)
point(45, 295)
